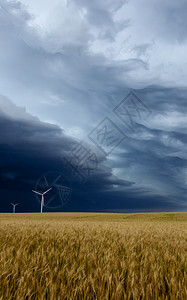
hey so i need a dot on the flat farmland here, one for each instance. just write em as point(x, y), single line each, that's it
point(93, 256)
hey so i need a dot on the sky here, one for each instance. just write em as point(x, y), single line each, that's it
point(93, 104)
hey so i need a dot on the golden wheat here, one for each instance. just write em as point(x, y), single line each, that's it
point(93, 256)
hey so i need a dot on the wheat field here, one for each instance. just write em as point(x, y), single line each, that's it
point(93, 256)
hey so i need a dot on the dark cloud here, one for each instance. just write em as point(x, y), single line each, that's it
point(30, 148)
point(58, 75)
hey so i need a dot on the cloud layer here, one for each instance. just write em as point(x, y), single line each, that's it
point(65, 66)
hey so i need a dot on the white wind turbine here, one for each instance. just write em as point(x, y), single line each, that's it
point(42, 194)
point(14, 207)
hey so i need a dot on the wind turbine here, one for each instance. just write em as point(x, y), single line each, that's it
point(42, 194)
point(14, 207)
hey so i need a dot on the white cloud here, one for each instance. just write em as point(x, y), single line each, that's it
point(169, 121)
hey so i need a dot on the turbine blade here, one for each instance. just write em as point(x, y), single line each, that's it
point(47, 191)
point(36, 192)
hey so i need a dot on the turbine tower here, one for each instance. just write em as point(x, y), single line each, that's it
point(42, 194)
point(14, 207)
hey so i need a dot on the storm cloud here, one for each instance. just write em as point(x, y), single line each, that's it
point(64, 67)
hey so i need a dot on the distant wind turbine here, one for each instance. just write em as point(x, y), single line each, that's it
point(42, 194)
point(14, 207)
